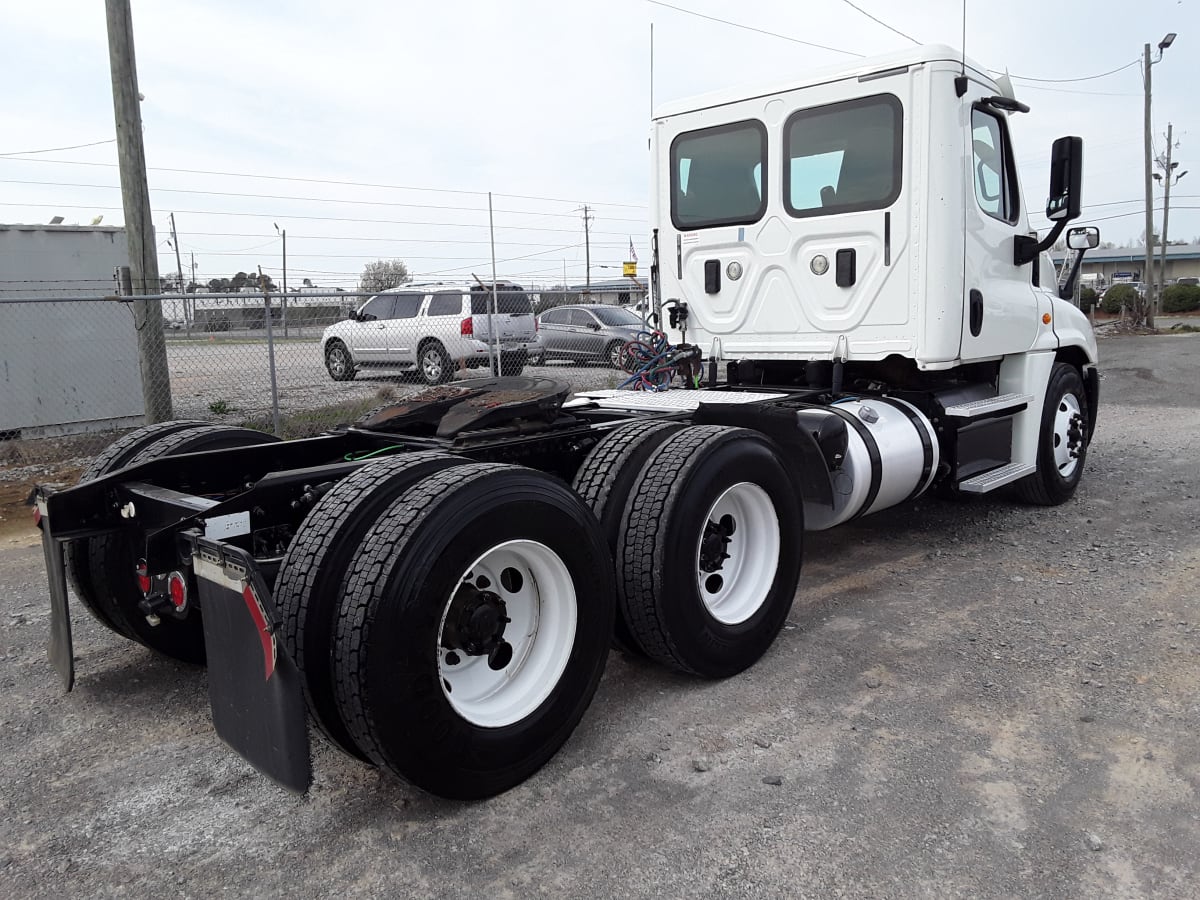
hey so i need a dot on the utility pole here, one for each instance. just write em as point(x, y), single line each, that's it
point(178, 266)
point(135, 199)
point(587, 248)
point(1150, 300)
point(284, 299)
point(1147, 275)
point(1168, 178)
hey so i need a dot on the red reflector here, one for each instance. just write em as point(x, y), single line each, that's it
point(37, 516)
point(143, 576)
point(467, 327)
point(178, 589)
point(260, 623)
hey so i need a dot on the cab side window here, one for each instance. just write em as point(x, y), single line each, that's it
point(377, 308)
point(995, 177)
point(407, 306)
point(446, 304)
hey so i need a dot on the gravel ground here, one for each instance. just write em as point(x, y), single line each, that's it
point(972, 699)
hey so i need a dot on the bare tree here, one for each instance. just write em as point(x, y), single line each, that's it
point(383, 274)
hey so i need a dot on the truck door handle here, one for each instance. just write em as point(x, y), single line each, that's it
point(976, 312)
point(844, 268)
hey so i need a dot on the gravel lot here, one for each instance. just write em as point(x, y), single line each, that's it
point(236, 375)
point(971, 699)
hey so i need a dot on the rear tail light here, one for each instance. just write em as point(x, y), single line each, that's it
point(467, 328)
point(143, 576)
point(537, 326)
point(177, 589)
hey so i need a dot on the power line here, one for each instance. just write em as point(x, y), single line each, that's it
point(56, 149)
point(1068, 80)
point(292, 216)
point(112, 187)
point(390, 187)
point(881, 22)
point(776, 34)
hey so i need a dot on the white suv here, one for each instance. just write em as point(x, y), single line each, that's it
point(433, 330)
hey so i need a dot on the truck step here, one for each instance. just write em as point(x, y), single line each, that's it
point(1005, 403)
point(989, 481)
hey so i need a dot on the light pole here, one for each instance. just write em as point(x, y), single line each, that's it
point(283, 301)
point(1167, 179)
point(1147, 275)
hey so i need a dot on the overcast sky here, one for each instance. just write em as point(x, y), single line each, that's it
point(544, 102)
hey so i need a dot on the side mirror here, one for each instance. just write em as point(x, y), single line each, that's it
point(595, 326)
point(1085, 238)
point(1066, 179)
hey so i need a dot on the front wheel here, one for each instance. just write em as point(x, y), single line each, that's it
point(473, 629)
point(434, 364)
point(1062, 441)
point(339, 362)
point(612, 354)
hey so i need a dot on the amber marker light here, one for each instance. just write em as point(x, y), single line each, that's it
point(1045, 318)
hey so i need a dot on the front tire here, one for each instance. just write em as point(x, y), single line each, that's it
point(473, 629)
point(709, 552)
point(433, 364)
point(612, 354)
point(1062, 440)
point(339, 362)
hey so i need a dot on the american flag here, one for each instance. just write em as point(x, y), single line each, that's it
point(632, 252)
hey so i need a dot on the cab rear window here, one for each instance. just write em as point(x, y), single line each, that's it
point(843, 157)
point(718, 176)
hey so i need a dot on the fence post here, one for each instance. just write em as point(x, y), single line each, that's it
point(270, 353)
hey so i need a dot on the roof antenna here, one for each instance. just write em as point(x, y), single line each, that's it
point(960, 83)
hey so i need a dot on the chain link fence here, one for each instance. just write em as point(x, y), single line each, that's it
point(74, 368)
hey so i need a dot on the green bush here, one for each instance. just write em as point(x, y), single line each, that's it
point(1087, 296)
point(1181, 298)
point(1117, 296)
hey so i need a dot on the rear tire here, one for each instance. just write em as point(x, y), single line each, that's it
point(418, 697)
point(308, 587)
point(513, 363)
point(111, 557)
point(604, 481)
point(1062, 440)
point(709, 552)
point(115, 456)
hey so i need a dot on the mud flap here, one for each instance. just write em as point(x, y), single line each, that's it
point(254, 687)
point(60, 649)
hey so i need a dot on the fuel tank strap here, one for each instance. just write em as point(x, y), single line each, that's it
point(872, 446)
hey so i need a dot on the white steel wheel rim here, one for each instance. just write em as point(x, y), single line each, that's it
point(431, 362)
point(744, 579)
point(543, 618)
point(1067, 414)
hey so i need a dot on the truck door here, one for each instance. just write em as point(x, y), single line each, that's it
point(368, 337)
point(402, 328)
point(1000, 310)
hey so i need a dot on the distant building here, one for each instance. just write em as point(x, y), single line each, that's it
point(615, 292)
point(1115, 264)
point(69, 365)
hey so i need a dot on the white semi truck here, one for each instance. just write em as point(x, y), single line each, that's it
point(437, 587)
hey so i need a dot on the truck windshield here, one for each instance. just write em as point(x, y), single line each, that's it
point(717, 176)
